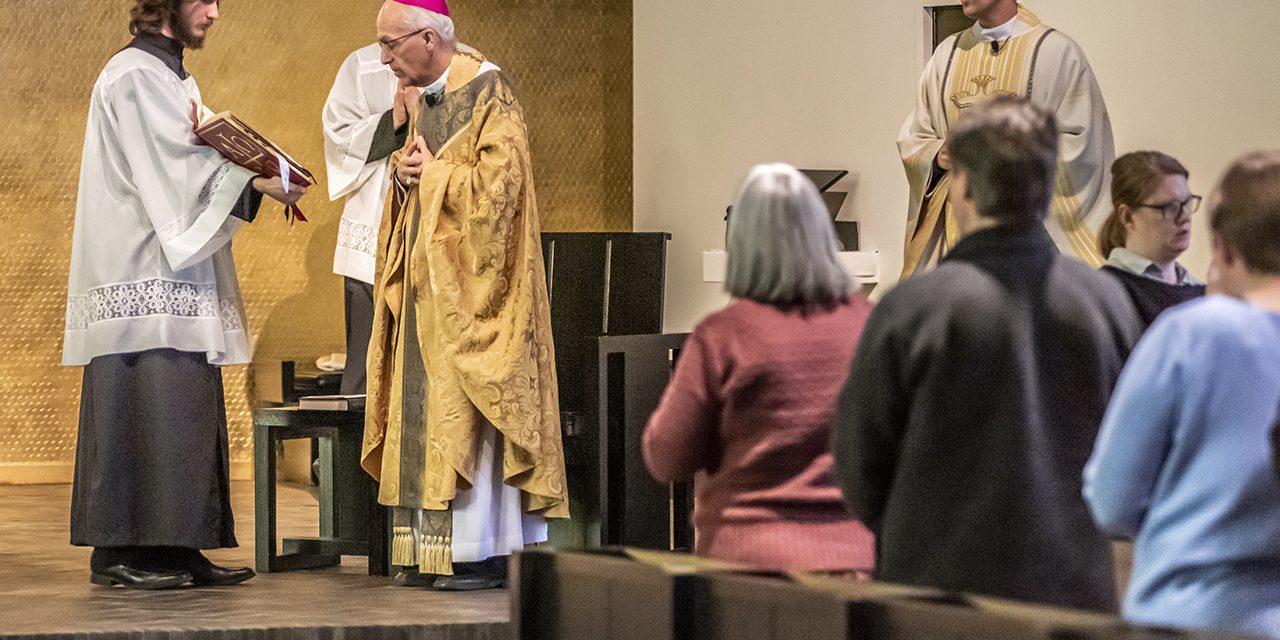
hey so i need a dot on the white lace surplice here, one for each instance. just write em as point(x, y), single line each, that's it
point(151, 263)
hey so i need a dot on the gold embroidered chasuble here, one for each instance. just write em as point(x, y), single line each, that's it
point(1037, 62)
point(462, 330)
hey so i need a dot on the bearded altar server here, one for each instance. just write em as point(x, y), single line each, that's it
point(153, 310)
point(462, 425)
point(1009, 51)
point(366, 119)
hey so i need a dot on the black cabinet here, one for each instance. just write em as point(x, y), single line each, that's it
point(635, 510)
point(601, 285)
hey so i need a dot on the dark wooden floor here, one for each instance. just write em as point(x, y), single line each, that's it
point(45, 591)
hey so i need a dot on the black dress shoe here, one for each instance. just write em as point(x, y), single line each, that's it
point(475, 576)
point(208, 574)
point(203, 572)
point(215, 576)
point(407, 578)
point(468, 583)
point(133, 578)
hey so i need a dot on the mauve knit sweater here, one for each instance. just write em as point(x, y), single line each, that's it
point(750, 407)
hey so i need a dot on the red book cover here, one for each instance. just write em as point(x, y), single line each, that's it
point(239, 143)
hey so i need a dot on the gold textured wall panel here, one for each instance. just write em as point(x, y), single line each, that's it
point(272, 62)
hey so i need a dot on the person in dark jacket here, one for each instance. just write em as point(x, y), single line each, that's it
point(977, 390)
point(1149, 228)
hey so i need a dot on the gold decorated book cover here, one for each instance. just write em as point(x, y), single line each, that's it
point(249, 149)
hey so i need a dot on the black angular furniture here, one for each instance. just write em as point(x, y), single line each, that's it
point(351, 520)
point(601, 285)
point(636, 510)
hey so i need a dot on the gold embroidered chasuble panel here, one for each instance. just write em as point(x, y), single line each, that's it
point(462, 332)
point(979, 74)
point(975, 73)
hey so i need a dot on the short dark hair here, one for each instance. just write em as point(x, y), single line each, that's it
point(1246, 210)
point(150, 16)
point(1008, 147)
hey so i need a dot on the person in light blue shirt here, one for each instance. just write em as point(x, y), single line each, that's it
point(1182, 463)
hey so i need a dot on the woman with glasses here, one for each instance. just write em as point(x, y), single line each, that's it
point(1147, 231)
point(749, 408)
point(1182, 464)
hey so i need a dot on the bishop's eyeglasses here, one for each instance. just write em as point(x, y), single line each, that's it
point(1177, 210)
point(390, 46)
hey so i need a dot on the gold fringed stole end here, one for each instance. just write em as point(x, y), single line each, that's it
point(435, 555)
point(423, 539)
point(430, 554)
point(403, 553)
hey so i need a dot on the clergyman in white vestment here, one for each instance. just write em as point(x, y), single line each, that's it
point(1008, 51)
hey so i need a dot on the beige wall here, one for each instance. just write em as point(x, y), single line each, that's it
point(721, 86)
point(272, 62)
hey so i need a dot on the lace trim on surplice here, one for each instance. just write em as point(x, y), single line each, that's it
point(152, 298)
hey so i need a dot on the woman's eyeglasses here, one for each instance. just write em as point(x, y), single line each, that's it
point(1177, 210)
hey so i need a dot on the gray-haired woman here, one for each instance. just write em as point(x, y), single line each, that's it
point(749, 408)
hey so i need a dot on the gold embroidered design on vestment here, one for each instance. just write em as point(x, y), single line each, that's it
point(982, 90)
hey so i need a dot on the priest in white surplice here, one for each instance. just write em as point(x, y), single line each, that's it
point(153, 309)
point(1008, 51)
point(366, 119)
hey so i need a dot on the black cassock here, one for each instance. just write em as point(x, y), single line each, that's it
point(151, 462)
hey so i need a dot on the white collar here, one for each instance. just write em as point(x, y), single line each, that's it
point(1013, 28)
point(438, 85)
point(1127, 260)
